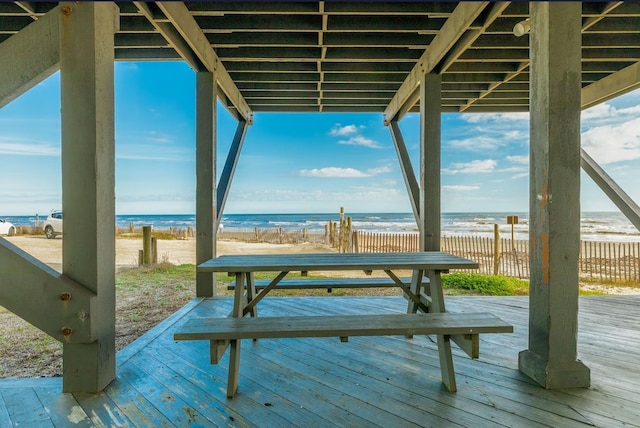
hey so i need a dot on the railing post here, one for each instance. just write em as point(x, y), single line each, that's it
point(496, 249)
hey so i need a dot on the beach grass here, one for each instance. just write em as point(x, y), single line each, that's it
point(493, 285)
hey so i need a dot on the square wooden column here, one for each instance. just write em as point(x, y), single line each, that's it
point(206, 147)
point(554, 204)
point(430, 149)
point(88, 183)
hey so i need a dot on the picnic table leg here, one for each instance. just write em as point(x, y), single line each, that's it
point(234, 368)
point(251, 293)
point(416, 284)
point(234, 355)
point(444, 342)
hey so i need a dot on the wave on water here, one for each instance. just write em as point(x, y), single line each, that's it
point(595, 226)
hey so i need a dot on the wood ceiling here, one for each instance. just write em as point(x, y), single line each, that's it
point(355, 56)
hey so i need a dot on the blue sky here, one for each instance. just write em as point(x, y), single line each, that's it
point(294, 163)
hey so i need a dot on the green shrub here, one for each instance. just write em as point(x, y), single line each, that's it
point(494, 285)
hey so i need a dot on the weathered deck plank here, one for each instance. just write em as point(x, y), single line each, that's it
point(369, 381)
point(65, 410)
point(25, 409)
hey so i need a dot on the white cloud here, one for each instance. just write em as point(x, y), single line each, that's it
point(607, 114)
point(341, 131)
point(495, 117)
point(355, 139)
point(613, 143)
point(26, 147)
point(379, 170)
point(334, 172)
point(459, 188)
point(358, 193)
point(521, 160)
point(479, 143)
point(473, 167)
point(359, 140)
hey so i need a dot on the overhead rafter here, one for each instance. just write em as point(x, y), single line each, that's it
point(611, 86)
point(29, 57)
point(452, 30)
point(183, 32)
point(524, 65)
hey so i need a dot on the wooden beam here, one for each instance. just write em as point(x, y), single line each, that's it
point(494, 11)
point(29, 57)
point(229, 169)
point(624, 202)
point(457, 24)
point(172, 35)
point(616, 84)
point(407, 170)
point(188, 28)
point(43, 297)
point(524, 65)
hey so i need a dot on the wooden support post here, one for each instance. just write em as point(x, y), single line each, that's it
point(430, 151)
point(206, 144)
point(554, 204)
point(88, 182)
point(146, 245)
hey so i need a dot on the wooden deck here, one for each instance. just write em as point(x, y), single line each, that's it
point(369, 381)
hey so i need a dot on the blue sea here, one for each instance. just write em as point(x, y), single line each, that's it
point(595, 226)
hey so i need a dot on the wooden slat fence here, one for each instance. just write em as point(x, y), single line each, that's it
point(604, 261)
point(613, 261)
point(274, 235)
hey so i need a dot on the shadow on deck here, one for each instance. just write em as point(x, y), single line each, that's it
point(369, 381)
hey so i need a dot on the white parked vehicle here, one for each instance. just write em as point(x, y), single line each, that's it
point(7, 228)
point(53, 225)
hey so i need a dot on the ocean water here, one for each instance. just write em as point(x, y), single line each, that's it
point(595, 226)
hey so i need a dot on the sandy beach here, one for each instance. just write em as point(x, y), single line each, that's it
point(177, 251)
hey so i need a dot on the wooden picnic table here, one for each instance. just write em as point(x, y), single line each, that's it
point(463, 329)
point(430, 264)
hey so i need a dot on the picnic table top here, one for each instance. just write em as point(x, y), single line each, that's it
point(429, 260)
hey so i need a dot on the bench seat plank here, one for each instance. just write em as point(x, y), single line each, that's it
point(313, 283)
point(341, 326)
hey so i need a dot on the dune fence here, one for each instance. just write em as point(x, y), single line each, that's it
point(603, 261)
point(599, 261)
point(274, 235)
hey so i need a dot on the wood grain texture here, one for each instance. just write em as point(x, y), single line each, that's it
point(341, 326)
point(433, 260)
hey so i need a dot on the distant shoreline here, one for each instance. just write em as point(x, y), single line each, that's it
point(595, 225)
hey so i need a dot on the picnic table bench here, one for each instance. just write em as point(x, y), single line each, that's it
point(330, 283)
point(462, 328)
